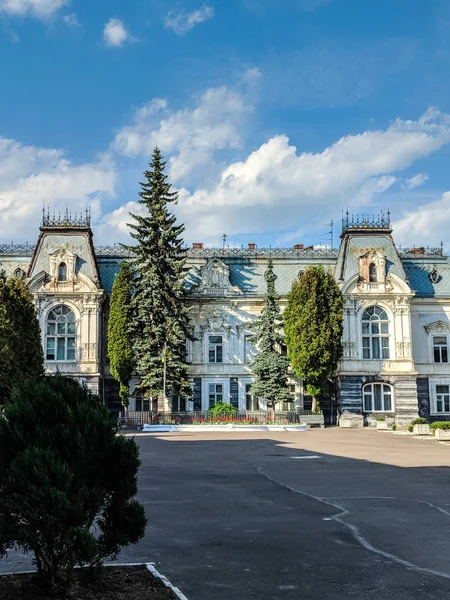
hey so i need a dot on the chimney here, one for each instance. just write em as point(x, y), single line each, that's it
point(310, 248)
point(251, 246)
point(197, 245)
point(420, 250)
point(298, 246)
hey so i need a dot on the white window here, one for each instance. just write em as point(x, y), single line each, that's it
point(62, 272)
point(375, 333)
point(251, 403)
point(61, 333)
point(440, 349)
point(142, 405)
point(215, 349)
point(377, 397)
point(442, 399)
point(215, 394)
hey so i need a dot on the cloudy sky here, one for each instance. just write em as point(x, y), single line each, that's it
point(273, 115)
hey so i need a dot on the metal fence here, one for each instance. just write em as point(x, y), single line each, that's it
point(138, 419)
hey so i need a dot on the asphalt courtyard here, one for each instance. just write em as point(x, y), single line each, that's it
point(324, 514)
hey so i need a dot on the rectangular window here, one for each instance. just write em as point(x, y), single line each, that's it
point(442, 398)
point(50, 349)
point(61, 328)
point(142, 405)
point(377, 397)
point(251, 403)
point(215, 393)
point(440, 349)
point(61, 349)
point(71, 348)
point(384, 347)
point(51, 328)
point(366, 347)
point(377, 404)
point(376, 348)
point(215, 349)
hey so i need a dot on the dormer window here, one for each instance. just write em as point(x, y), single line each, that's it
point(372, 273)
point(62, 272)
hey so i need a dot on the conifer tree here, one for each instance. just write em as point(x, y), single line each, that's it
point(120, 350)
point(21, 353)
point(160, 323)
point(313, 324)
point(270, 366)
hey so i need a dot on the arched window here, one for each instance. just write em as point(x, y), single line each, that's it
point(62, 272)
point(372, 273)
point(61, 332)
point(377, 397)
point(375, 333)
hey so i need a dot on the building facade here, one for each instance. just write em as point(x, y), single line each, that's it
point(396, 317)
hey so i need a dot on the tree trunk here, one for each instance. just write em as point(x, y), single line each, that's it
point(314, 404)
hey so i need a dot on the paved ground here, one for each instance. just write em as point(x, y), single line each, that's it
point(235, 516)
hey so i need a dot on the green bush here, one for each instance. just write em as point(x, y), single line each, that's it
point(222, 410)
point(418, 421)
point(394, 427)
point(380, 419)
point(440, 425)
point(67, 482)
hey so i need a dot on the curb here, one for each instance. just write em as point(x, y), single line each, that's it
point(169, 428)
point(150, 566)
point(166, 582)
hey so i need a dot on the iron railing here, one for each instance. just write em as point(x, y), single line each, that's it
point(140, 418)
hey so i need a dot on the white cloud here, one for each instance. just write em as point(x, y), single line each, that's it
point(115, 33)
point(31, 176)
point(181, 22)
point(189, 136)
point(71, 20)
point(41, 9)
point(428, 224)
point(276, 187)
point(416, 181)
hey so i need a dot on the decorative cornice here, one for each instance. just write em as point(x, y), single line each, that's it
point(438, 327)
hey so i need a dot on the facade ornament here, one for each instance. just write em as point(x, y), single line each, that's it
point(434, 276)
point(438, 327)
point(215, 280)
point(372, 267)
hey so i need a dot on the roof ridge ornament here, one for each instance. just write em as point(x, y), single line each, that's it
point(366, 221)
point(67, 219)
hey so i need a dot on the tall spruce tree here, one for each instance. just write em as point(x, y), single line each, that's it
point(270, 366)
point(120, 349)
point(159, 323)
point(313, 324)
point(21, 354)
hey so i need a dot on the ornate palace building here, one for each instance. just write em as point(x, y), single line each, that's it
point(396, 317)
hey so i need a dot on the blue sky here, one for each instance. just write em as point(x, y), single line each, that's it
point(274, 115)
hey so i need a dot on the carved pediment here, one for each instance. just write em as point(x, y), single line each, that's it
point(438, 327)
point(215, 280)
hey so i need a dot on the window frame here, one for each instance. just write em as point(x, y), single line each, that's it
point(62, 338)
point(373, 385)
point(214, 347)
point(370, 339)
point(442, 349)
point(62, 270)
point(434, 384)
point(218, 395)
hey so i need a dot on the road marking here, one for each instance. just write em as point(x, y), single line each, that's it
point(308, 456)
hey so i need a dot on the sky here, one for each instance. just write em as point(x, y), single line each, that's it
point(274, 116)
